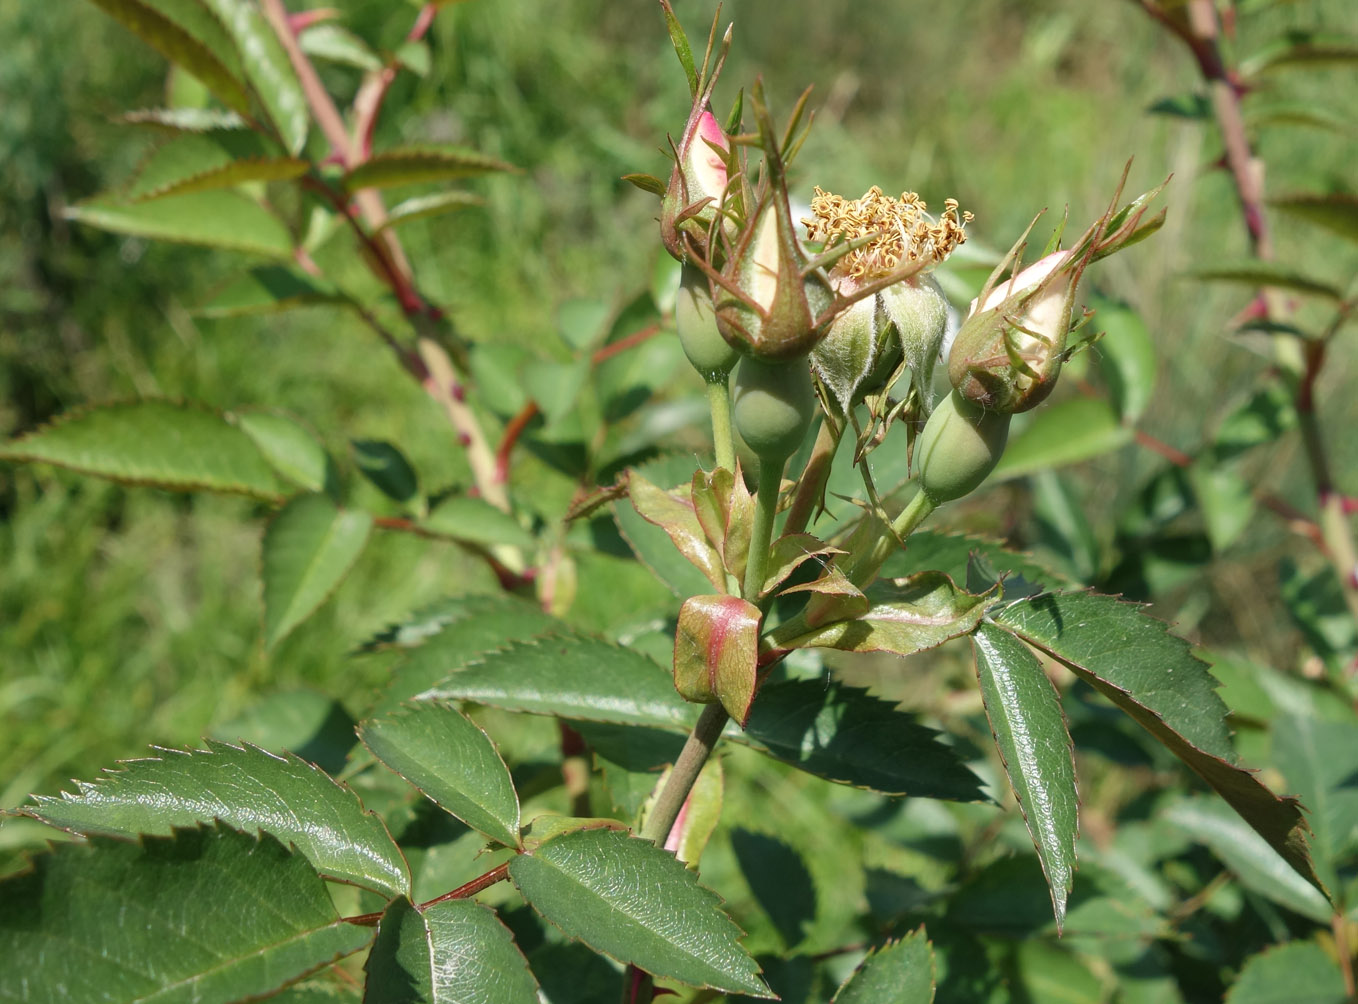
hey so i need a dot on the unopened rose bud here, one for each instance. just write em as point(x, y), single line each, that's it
point(697, 184)
point(1009, 351)
point(959, 447)
point(706, 349)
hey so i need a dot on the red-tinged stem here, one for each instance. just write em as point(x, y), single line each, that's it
point(1176, 457)
point(511, 437)
point(373, 92)
point(478, 884)
point(623, 344)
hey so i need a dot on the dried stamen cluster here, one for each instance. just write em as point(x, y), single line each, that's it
point(905, 232)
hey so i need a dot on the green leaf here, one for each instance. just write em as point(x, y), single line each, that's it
point(201, 163)
point(454, 952)
point(179, 46)
point(900, 971)
point(267, 67)
point(656, 551)
point(338, 45)
point(1319, 759)
point(423, 207)
point(1299, 972)
point(835, 732)
point(906, 616)
point(679, 39)
point(1126, 355)
point(1064, 433)
point(1137, 664)
point(158, 443)
point(207, 916)
point(454, 633)
point(716, 652)
point(1030, 732)
point(1305, 51)
point(476, 521)
point(413, 54)
point(438, 750)
point(1336, 211)
point(245, 788)
point(780, 881)
point(1062, 526)
point(308, 549)
point(647, 183)
point(631, 900)
point(289, 448)
point(186, 120)
point(414, 165)
point(387, 468)
point(1257, 865)
point(268, 289)
point(1226, 501)
point(1273, 274)
point(221, 219)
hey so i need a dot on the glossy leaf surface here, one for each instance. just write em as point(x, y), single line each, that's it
point(716, 652)
point(268, 68)
point(900, 971)
point(438, 750)
point(157, 443)
point(243, 787)
point(207, 916)
point(1030, 733)
point(454, 952)
point(631, 900)
point(1135, 662)
point(1300, 972)
point(219, 219)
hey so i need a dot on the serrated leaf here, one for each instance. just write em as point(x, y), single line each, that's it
point(220, 219)
point(424, 207)
point(207, 916)
point(1030, 732)
point(337, 44)
point(179, 46)
point(780, 881)
point(438, 750)
point(267, 67)
point(158, 443)
point(476, 521)
point(631, 900)
point(1305, 52)
point(1299, 972)
point(835, 732)
point(454, 952)
point(716, 652)
point(900, 971)
point(244, 787)
point(789, 553)
point(951, 553)
point(1257, 865)
point(1135, 662)
point(905, 616)
point(289, 448)
point(1068, 432)
point(199, 163)
point(268, 289)
point(308, 550)
point(414, 165)
point(1272, 274)
point(1336, 211)
point(1319, 760)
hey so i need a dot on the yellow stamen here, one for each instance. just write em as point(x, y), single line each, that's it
point(906, 234)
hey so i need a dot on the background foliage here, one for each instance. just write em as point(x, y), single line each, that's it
point(129, 616)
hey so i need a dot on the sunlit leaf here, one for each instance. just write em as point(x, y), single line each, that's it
point(221, 219)
point(413, 165)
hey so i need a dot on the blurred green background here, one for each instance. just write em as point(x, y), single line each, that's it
point(129, 616)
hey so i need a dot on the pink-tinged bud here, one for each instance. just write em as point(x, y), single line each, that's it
point(697, 184)
point(1012, 344)
point(773, 305)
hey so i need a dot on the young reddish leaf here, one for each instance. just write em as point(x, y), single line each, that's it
point(1135, 662)
point(725, 509)
point(789, 553)
point(716, 651)
point(834, 598)
point(674, 513)
point(904, 617)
